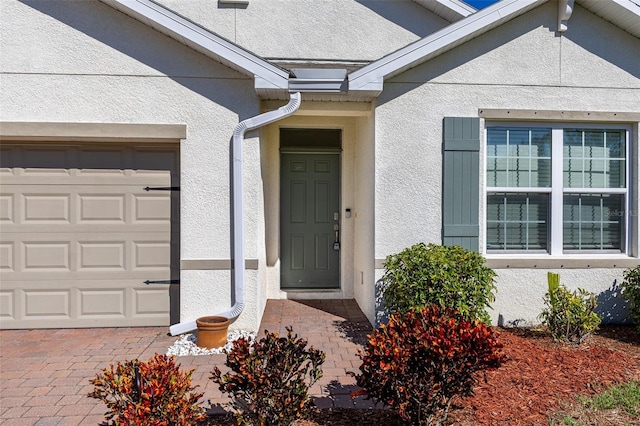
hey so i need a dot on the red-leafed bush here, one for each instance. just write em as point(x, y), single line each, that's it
point(421, 360)
point(269, 381)
point(152, 393)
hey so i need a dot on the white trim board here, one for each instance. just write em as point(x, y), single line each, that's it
point(624, 13)
point(271, 79)
point(91, 132)
point(202, 40)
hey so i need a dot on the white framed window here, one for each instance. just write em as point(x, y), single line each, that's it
point(557, 188)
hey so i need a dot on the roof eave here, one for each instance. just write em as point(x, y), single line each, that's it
point(366, 83)
point(440, 41)
point(622, 13)
point(319, 90)
point(202, 40)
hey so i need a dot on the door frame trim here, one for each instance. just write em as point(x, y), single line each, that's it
point(312, 151)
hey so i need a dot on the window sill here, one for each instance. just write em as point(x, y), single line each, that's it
point(569, 261)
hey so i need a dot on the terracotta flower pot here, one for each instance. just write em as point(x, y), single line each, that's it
point(212, 331)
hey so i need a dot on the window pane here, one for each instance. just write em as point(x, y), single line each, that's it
point(497, 142)
point(518, 172)
point(541, 142)
point(541, 173)
point(593, 221)
point(572, 173)
point(573, 144)
point(517, 221)
point(518, 157)
point(594, 176)
point(616, 153)
point(594, 158)
point(616, 173)
point(616, 144)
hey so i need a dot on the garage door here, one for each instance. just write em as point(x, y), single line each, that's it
point(81, 235)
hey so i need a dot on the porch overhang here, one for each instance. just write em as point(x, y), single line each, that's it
point(318, 80)
point(320, 90)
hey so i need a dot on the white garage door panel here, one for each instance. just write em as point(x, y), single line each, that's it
point(82, 205)
point(80, 235)
point(6, 304)
point(88, 300)
point(28, 256)
point(47, 303)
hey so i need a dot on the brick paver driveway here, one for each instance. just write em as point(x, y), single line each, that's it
point(44, 374)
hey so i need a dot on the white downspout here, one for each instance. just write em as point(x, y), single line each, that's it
point(238, 264)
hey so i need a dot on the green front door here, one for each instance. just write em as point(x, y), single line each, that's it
point(309, 221)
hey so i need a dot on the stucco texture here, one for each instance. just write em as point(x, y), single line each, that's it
point(327, 29)
point(85, 62)
point(520, 296)
point(82, 61)
point(522, 64)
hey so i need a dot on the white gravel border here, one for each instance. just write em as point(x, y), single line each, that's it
point(186, 344)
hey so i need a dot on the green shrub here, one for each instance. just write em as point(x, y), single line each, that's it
point(153, 393)
point(419, 361)
point(448, 276)
point(569, 315)
point(631, 292)
point(268, 381)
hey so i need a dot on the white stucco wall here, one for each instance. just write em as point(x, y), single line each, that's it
point(327, 29)
point(364, 216)
point(82, 61)
point(520, 65)
point(347, 118)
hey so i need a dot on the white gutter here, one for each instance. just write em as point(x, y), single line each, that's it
point(238, 208)
point(445, 39)
point(202, 40)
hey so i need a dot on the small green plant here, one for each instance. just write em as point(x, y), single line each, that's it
point(419, 361)
point(625, 396)
point(448, 276)
point(619, 404)
point(569, 315)
point(152, 393)
point(631, 292)
point(269, 381)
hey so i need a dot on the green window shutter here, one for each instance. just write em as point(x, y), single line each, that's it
point(460, 190)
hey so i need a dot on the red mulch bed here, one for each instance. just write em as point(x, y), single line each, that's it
point(539, 376)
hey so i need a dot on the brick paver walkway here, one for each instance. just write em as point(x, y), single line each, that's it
point(44, 374)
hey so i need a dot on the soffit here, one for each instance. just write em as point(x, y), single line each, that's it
point(621, 13)
point(351, 96)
